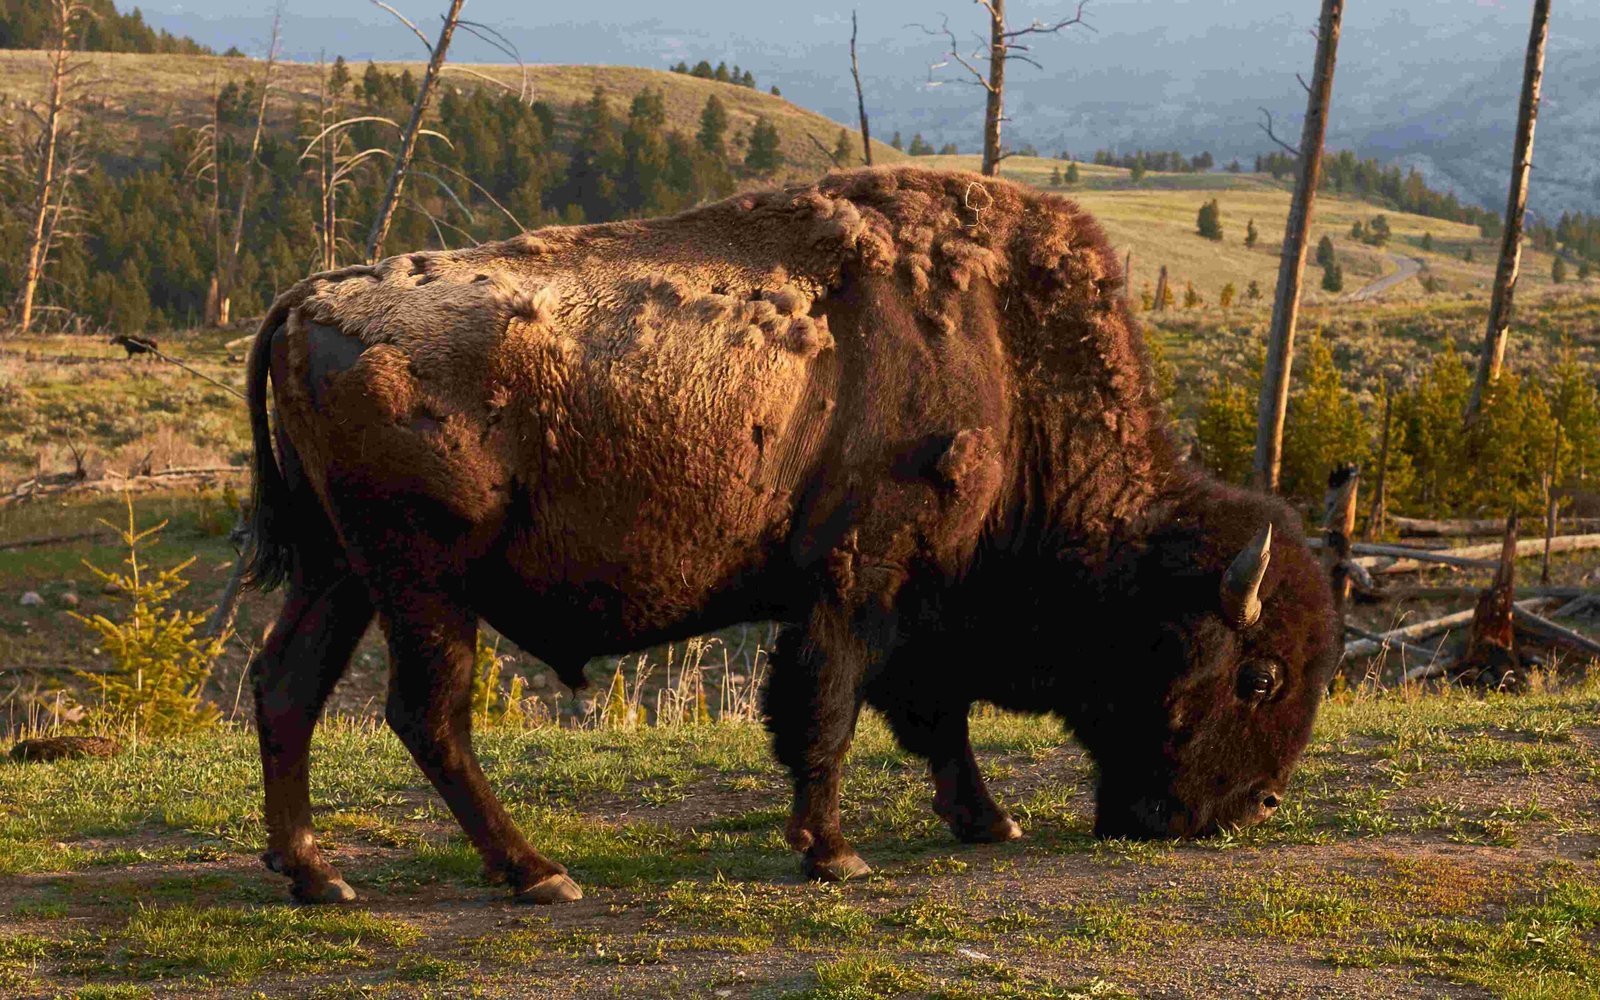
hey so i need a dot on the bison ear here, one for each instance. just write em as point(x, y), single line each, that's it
point(1241, 584)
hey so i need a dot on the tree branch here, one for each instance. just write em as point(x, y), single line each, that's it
point(1266, 127)
point(1039, 27)
point(408, 23)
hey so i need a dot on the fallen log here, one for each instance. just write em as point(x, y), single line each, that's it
point(1450, 592)
point(1402, 559)
point(34, 543)
point(1417, 527)
point(1547, 629)
point(1422, 630)
point(1409, 649)
point(33, 488)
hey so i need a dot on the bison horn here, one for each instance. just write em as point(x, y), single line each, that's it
point(1241, 584)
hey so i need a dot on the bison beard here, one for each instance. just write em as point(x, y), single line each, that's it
point(918, 433)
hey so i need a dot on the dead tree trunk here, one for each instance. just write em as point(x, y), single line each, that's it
point(1003, 46)
point(1286, 305)
point(408, 139)
point(216, 306)
point(1340, 528)
point(47, 180)
point(1505, 276)
point(1160, 304)
point(994, 104)
point(225, 291)
point(1127, 278)
point(861, 101)
point(1379, 512)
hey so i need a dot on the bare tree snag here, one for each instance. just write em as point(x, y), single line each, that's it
point(1379, 512)
point(861, 101)
point(1549, 482)
point(1505, 276)
point(50, 174)
point(1127, 277)
point(1340, 511)
point(1286, 305)
point(228, 273)
point(1491, 651)
point(1004, 46)
point(1160, 304)
point(408, 138)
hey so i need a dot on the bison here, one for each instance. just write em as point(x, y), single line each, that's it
point(902, 412)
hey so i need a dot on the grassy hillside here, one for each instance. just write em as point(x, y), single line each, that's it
point(1156, 220)
point(141, 96)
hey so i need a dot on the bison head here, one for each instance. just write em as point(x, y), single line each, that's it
point(1216, 680)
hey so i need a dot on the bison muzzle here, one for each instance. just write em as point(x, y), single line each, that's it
point(920, 435)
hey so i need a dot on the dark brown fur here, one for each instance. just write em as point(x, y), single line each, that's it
point(903, 412)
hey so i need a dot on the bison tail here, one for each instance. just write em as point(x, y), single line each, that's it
point(269, 554)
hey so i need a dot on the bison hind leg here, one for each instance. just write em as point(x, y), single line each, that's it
point(936, 729)
point(306, 654)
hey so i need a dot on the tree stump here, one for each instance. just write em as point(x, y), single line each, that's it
point(1491, 658)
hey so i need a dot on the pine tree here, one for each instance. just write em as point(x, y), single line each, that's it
point(1558, 271)
point(1585, 269)
point(1427, 241)
point(1191, 298)
point(1325, 255)
point(1055, 177)
point(1225, 297)
point(1333, 278)
point(1209, 222)
point(1324, 427)
point(919, 147)
point(1253, 293)
point(1225, 430)
point(1251, 234)
point(713, 132)
point(763, 156)
point(1072, 173)
point(1136, 172)
point(895, 142)
point(843, 149)
point(338, 77)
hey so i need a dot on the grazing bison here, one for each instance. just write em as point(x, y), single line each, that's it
point(902, 412)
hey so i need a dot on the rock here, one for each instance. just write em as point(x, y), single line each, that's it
point(31, 599)
point(68, 600)
point(111, 587)
point(64, 748)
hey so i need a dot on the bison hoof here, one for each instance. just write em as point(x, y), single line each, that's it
point(550, 889)
point(333, 890)
point(998, 830)
point(843, 868)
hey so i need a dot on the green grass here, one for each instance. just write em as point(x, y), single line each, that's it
point(1475, 868)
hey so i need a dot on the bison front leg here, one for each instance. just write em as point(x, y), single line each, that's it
point(304, 657)
point(812, 702)
point(939, 732)
point(431, 640)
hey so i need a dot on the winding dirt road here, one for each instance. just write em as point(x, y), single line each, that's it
point(1409, 267)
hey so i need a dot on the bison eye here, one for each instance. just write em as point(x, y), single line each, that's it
point(1258, 679)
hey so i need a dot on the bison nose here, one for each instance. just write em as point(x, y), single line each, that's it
point(1269, 802)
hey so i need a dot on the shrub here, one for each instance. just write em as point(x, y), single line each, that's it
point(159, 665)
point(1191, 298)
point(491, 703)
point(1558, 271)
point(1251, 234)
point(1225, 431)
point(1209, 222)
point(1324, 427)
point(1226, 296)
point(1333, 278)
